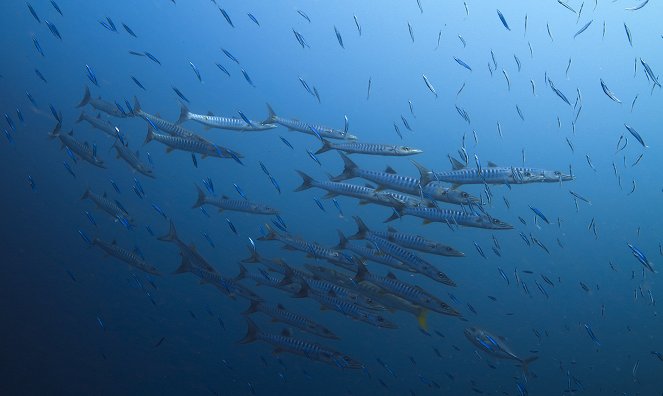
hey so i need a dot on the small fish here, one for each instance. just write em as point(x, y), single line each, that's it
point(152, 57)
point(338, 37)
point(460, 62)
point(429, 85)
point(628, 35)
point(180, 94)
point(196, 70)
point(33, 12)
point(128, 29)
point(253, 18)
point(41, 76)
point(247, 78)
point(227, 17)
point(409, 28)
point(609, 93)
point(582, 29)
point(506, 25)
point(636, 135)
point(357, 24)
point(53, 29)
point(303, 14)
point(591, 334)
point(539, 214)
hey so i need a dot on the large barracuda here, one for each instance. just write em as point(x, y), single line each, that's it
point(228, 286)
point(83, 150)
point(371, 254)
point(311, 129)
point(101, 105)
point(133, 159)
point(191, 145)
point(310, 350)
point(388, 179)
point(363, 193)
point(230, 123)
point(189, 253)
point(279, 313)
point(417, 242)
point(111, 207)
point(494, 174)
point(236, 205)
point(368, 148)
point(131, 258)
point(170, 128)
point(99, 123)
point(451, 217)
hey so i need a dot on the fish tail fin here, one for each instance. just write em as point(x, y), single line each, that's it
point(254, 258)
point(362, 229)
point(422, 319)
point(242, 273)
point(56, 131)
point(271, 115)
point(201, 198)
point(271, 234)
point(289, 276)
point(326, 146)
point(86, 194)
point(398, 212)
point(424, 173)
point(307, 182)
point(342, 241)
point(251, 332)
point(150, 134)
point(137, 109)
point(171, 236)
point(348, 169)
point(252, 308)
point(526, 362)
point(81, 117)
point(362, 271)
point(184, 267)
point(86, 97)
point(303, 290)
point(184, 114)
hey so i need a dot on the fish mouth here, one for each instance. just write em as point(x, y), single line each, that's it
point(554, 177)
point(500, 225)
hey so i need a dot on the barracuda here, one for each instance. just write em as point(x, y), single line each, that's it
point(101, 105)
point(189, 253)
point(103, 125)
point(132, 159)
point(368, 148)
point(279, 313)
point(163, 125)
point(236, 205)
point(494, 174)
point(406, 291)
point(416, 242)
point(371, 254)
point(131, 258)
point(191, 145)
point(410, 185)
point(107, 205)
point(229, 123)
point(449, 216)
point(83, 150)
point(310, 350)
point(300, 126)
point(228, 286)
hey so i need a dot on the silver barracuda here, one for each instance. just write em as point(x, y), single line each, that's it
point(101, 105)
point(131, 158)
point(99, 123)
point(451, 217)
point(311, 129)
point(209, 120)
point(131, 258)
point(191, 145)
point(368, 148)
point(82, 149)
point(236, 205)
point(279, 313)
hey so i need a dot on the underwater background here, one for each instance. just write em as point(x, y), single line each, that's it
point(76, 322)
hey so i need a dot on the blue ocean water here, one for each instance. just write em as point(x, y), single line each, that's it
point(77, 322)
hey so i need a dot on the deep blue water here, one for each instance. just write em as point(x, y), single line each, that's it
point(55, 290)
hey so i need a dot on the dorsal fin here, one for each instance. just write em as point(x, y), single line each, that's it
point(455, 164)
point(224, 197)
point(491, 164)
point(209, 113)
point(71, 133)
point(280, 306)
point(368, 185)
point(424, 174)
point(391, 229)
point(391, 275)
point(390, 170)
point(158, 115)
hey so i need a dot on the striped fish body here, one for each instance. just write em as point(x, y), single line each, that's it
point(240, 205)
point(281, 314)
point(324, 287)
point(83, 150)
point(451, 217)
point(379, 257)
point(228, 123)
point(350, 309)
point(132, 159)
point(325, 132)
point(410, 259)
point(190, 145)
point(103, 125)
point(107, 107)
point(170, 128)
point(131, 258)
point(370, 149)
point(409, 292)
point(416, 242)
point(500, 175)
point(227, 286)
point(107, 205)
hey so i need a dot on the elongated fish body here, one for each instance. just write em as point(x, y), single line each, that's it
point(410, 259)
point(189, 253)
point(498, 175)
point(107, 205)
point(343, 293)
point(300, 126)
point(371, 254)
point(405, 291)
point(132, 159)
point(363, 193)
point(309, 350)
point(494, 346)
point(103, 125)
point(227, 286)
point(219, 122)
point(389, 179)
point(131, 258)
point(279, 313)
point(191, 145)
point(368, 148)
point(450, 216)
point(235, 205)
point(166, 126)
point(416, 242)
point(276, 265)
point(101, 105)
point(83, 150)
point(329, 300)
point(312, 249)
point(266, 279)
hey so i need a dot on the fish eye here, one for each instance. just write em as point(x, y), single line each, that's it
point(495, 221)
point(558, 173)
point(406, 148)
point(464, 194)
point(527, 174)
point(448, 249)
